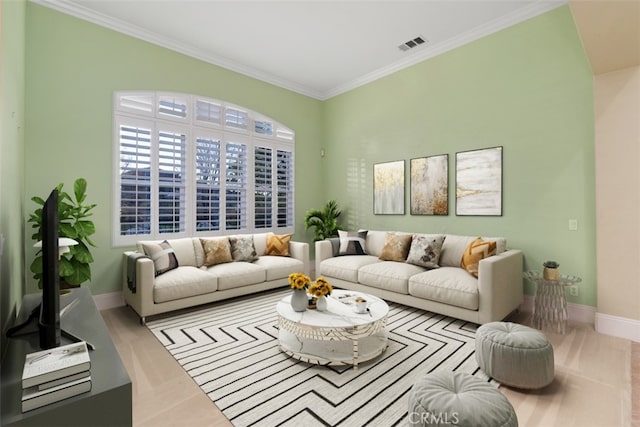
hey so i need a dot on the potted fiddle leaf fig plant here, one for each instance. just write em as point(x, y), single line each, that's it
point(74, 223)
point(324, 221)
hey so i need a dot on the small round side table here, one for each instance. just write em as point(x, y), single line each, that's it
point(550, 305)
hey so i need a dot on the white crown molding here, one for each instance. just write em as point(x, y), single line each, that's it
point(84, 13)
point(428, 52)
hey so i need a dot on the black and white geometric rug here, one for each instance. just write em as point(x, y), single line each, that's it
point(231, 351)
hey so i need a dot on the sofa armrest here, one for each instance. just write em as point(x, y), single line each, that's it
point(500, 285)
point(142, 299)
point(324, 250)
point(300, 251)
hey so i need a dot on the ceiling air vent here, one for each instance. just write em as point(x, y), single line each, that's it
point(411, 43)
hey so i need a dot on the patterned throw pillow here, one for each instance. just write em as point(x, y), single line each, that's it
point(476, 251)
point(216, 251)
point(278, 245)
point(163, 257)
point(425, 250)
point(396, 247)
point(242, 248)
point(352, 242)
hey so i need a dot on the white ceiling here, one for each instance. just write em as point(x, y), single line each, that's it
point(317, 48)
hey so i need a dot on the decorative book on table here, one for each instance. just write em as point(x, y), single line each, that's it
point(32, 398)
point(55, 364)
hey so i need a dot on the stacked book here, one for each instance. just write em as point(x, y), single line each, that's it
point(55, 374)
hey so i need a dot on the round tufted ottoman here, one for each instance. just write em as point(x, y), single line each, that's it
point(514, 354)
point(456, 398)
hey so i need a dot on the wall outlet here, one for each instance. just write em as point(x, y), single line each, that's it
point(573, 224)
point(573, 291)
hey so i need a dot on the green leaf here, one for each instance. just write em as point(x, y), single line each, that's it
point(65, 267)
point(67, 230)
point(85, 228)
point(38, 200)
point(81, 253)
point(80, 189)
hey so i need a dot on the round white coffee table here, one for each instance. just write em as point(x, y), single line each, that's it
point(337, 336)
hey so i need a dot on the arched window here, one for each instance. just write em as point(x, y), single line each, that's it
point(186, 165)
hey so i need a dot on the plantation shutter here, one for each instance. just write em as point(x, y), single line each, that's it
point(207, 184)
point(236, 118)
point(135, 179)
point(208, 113)
point(173, 107)
point(236, 186)
point(263, 194)
point(285, 188)
point(187, 165)
point(171, 181)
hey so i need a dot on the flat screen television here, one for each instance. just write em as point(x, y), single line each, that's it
point(49, 322)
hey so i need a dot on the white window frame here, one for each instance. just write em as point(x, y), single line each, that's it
point(141, 108)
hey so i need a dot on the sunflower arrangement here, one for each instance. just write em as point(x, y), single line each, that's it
point(320, 288)
point(299, 281)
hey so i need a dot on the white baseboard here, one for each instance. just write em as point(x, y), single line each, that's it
point(620, 327)
point(576, 312)
point(109, 300)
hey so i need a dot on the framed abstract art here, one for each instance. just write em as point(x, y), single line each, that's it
point(388, 188)
point(430, 185)
point(479, 182)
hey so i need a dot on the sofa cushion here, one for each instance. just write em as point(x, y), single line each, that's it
point(453, 249)
point(242, 248)
point(454, 246)
point(217, 250)
point(448, 285)
point(260, 242)
point(375, 242)
point(183, 282)
point(396, 247)
point(237, 274)
point(278, 244)
point(352, 242)
point(279, 267)
point(345, 267)
point(390, 275)
point(162, 255)
point(183, 248)
point(425, 250)
point(476, 251)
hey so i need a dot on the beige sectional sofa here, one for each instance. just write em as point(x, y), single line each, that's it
point(196, 277)
point(449, 289)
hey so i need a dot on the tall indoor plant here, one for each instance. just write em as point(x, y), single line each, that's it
point(324, 221)
point(73, 223)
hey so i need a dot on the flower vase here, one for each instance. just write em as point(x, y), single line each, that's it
point(321, 304)
point(299, 300)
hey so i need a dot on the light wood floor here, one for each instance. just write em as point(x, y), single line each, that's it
point(592, 385)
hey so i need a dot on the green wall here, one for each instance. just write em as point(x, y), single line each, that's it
point(527, 88)
point(73, 68)
point(12, 86)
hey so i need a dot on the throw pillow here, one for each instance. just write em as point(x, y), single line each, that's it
point(216, 251)
point(352, 242)
point(396, 247)
point(163, 257)
point(476, 251)
point(425, 250)
point(278, 244)
point(242, 248)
